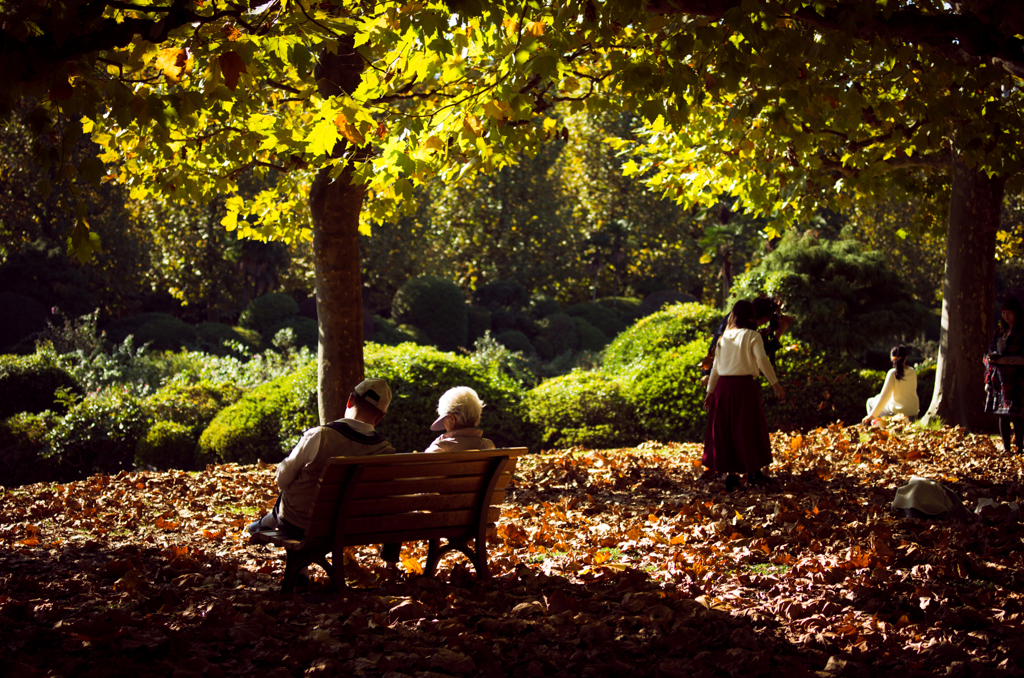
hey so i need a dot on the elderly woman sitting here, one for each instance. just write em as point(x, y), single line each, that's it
point(459, 415)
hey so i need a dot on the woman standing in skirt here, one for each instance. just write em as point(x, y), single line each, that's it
point(736, 440)
point(1004, 376)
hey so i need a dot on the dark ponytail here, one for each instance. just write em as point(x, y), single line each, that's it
point(899, 360)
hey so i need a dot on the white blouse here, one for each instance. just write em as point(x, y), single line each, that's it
point(740, 352)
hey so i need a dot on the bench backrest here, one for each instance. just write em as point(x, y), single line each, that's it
point(407, 497)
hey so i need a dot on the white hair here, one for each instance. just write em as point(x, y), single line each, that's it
point(463, 403)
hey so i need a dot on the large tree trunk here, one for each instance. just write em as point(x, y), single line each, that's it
point(967, 298)
point(335, 207)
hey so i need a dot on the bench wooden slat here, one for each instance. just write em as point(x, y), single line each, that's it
point(391, 488)
point(452, 469)
point(336, 469)
point(405, 521)
point(325, 510)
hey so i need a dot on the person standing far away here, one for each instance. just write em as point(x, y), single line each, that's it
point(736, 439)
point(1004, 375)
point(899, 392)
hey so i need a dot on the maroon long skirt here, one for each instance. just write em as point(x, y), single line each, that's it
point(736, 440)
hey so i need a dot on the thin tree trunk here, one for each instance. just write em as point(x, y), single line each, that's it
point(967, 299)
point(335, 207)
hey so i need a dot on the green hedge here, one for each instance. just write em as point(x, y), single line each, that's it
point(386, 332)
point(819, 390)
point(28, 383)
point(265, 313)
point(162, 331)
point(610, 321)
point(668, 329)
point(583, 408)
point(560, 330)
point(437, 307)
point(265, 423)
point(98, 434)
point(22, 443)
point(296, 332)
point(591, 338)
point(167, 445)
point(514, 340)
point(666, 391)
point(216, 337)
point(419, 375)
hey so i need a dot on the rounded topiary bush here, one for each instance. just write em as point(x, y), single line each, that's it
point(543, 347)
point(437, 307)
point(23, 315)
point(22, 443)
point(478, 321)
point(265, 423)
point(542, 305)
point(502, 319)
point(166, 333)
point(819, 390)
point(925, 383)
point(190, 404)
point(560, 330)
point(514, 340)
point(671, 328)
point(667, 395)
point(265, 313)
point(419, 375)
point(98, 434)
point(216, 338)
point(502, 294)
point(28, 383)
point(167, 445)
point(583, 408)
point(591, 338)
point(298, 332)
point(610, 321)
point(387, 333)
point(415, 334)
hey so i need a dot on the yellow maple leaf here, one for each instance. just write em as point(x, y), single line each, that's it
point(472, 124)
point(348, 130)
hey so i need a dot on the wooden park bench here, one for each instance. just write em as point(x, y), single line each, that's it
point(398, 498)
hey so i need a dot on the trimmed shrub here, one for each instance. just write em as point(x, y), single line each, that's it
point(502, 319)
point(166, 334)
point(543, 347)
point(22, 443)
point(478, 321)
point(298, 332)
point(591, 338)
point(190, 404)
point(23, 315)
point(925, 383)
point(415, 334)
point(162, 331)
point(437, 307)
point(583, 408)
point(98, 434)
point(387, 333)
point(265, 423)
point(28, 383)
point(671, 328)
point(667, 395)
point(502, 294)
point(216, 337)
point(167, 445)
point(609, 321)
point(419, 375)
point(542, 305)
point(560, 330)
point(819, 390)
point(514, 340)
point(265, 313)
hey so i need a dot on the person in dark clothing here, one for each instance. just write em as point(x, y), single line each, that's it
point(1004, 375)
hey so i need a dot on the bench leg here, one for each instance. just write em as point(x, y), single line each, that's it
point(293, 564)
point(477, 556)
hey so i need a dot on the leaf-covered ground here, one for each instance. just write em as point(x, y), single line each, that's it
point(617, 563)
